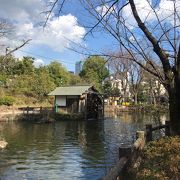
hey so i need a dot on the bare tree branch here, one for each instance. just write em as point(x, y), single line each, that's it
point(15, 49)
point(157, 49)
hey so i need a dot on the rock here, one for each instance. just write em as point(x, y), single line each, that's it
point(3, 144)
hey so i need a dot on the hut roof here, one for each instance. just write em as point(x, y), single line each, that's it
point(70, 90)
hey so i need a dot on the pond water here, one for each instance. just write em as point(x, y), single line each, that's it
point(66, 149)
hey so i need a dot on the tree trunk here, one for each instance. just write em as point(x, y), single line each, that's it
point(154, 98)
point(174, 108)
point(135, 98)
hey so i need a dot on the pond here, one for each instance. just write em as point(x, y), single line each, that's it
point(66, 149)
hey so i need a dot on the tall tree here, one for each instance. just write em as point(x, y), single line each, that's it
point(24, 66)
point(94, 71)
point(171, 76)
point(119, 67)
point(136, 77)
point(58, 73)
point(42, 83)
point(7, 65)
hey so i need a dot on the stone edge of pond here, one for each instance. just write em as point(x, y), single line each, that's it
point(48, 118)
point(42, 118)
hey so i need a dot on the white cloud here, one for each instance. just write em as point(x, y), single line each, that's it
point(59, 32)
point(25, 15)
point(164, 11)
point(38, 62)
point(145, 8)
point(22, 10)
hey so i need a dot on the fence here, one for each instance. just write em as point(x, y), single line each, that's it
point(150, 129)
point(35, 110)
point(128, 154)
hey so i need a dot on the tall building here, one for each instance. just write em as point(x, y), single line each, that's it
point(78, 67)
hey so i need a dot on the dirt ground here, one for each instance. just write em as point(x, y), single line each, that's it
point(8, 111)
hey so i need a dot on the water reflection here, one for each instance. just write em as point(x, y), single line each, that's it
point(66, 149)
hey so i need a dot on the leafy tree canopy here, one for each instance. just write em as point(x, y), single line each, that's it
point(59, 73)
point(20, 78)
point(94, 71)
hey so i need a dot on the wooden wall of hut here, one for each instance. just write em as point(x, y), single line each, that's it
point(72, 105)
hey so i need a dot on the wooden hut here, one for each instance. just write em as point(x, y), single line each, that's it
point(79, 99)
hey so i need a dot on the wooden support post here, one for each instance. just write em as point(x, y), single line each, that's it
point(167, 128)
point(27, 109)
point(125, 150)
point(41, 109)
point(28, 113)
point(140, 140)
point(149, 132)
point(55, 105)
point(85, 112)
point(116, 170)
point(56, 108)
point(140, 134)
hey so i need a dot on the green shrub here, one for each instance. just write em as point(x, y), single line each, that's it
point(2, 80)
point(7, 100)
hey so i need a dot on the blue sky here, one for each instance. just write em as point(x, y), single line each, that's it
point(50, 43)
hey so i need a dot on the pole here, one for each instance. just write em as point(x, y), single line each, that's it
point(149, 132)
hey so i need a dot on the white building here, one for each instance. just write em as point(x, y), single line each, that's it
point(159, 88)
point(120, 80)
